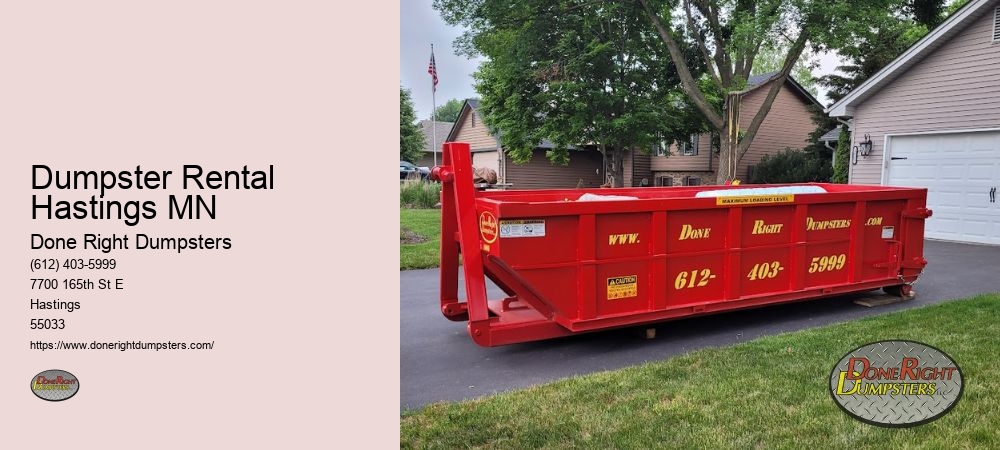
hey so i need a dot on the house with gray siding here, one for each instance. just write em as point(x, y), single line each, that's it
point(931, 118)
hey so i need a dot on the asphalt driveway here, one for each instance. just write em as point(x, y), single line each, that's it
point(439, 362)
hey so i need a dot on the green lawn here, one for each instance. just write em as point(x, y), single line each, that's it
point(427, 224)
point(767, 393)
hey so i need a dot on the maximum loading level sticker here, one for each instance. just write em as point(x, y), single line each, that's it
point(754, 199)
point(623, 287)
point(522, 228)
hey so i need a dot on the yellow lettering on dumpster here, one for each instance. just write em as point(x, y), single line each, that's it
point(754, 199)
point(759, 227)
point(621, 239)
point(623, 287)
point(689, 232)
point(812, 225)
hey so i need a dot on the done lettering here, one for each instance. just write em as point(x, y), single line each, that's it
point(689, 232)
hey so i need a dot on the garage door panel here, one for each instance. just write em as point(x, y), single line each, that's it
point(958, 170)
point(951, 171)
point(947, 198)
point(983, 173)
point(976, 228)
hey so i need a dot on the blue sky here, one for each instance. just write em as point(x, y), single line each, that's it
point(420, 26)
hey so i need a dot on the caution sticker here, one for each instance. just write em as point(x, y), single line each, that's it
point(887, 232)
point(754, 199)
point(623, 287)
point(522, 228)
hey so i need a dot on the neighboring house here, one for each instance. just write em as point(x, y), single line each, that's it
point(932, 117)
point(584, 169)
point(787, 125)
point(437, 134)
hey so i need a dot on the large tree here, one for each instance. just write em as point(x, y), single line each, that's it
point(890, 32)
point(770, 59)
point(575, 73)
point(411, 140)
point(729, 35)
point(449, 111)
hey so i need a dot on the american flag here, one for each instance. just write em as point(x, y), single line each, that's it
point(432, 69)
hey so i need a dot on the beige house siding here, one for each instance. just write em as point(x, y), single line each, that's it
point(486, 160)
point(787, 125)
point(956, 87)
point(678, 162)
point(472, 130)
point(584, 170)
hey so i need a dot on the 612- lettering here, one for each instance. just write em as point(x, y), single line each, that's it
point(696, 279)
point(827, 263)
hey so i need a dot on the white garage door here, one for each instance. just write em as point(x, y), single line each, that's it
point(961, 172)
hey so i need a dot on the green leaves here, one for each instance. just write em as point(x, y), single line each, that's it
point(572, 72)
point(449, 111)
point(411, 140)
point(876, 39)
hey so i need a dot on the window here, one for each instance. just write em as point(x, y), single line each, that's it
point(692, 181)
point(660, 148)
point(666, 181)
point(689, 147)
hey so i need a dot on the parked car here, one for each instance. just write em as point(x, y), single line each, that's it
point(408, 170)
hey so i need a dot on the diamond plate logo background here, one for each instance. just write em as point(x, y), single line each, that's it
point(898, 410)
point(55, 395)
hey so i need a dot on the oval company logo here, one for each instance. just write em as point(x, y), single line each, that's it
point(896, 383)
point(488, 227)
point(55, 385)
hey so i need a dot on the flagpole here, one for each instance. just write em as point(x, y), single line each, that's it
point(434, 148)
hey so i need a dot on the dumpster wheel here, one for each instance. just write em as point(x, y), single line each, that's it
point(901, 290)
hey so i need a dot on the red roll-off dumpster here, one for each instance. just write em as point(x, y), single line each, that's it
point(581, 260)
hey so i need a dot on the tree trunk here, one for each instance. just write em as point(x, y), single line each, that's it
point(729, 140)
point(727, 156)
point(617, 169)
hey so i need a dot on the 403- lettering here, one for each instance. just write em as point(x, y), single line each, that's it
point(827, 263)
point(693, 278)
point(764, 271)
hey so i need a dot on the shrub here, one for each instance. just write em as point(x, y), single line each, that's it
point(419, 194)
point(792, 166)
point(840, 174)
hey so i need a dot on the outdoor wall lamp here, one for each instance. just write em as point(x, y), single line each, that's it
point(864, 148)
